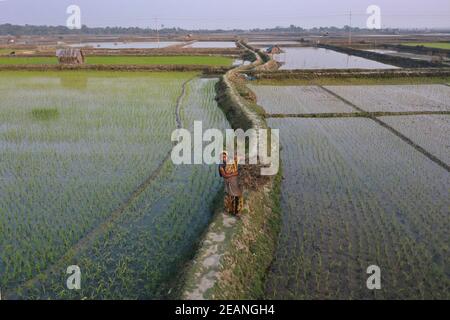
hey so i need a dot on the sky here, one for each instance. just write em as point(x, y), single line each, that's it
point(228, 14)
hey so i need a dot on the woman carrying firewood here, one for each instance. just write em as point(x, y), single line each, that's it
point(229, 171)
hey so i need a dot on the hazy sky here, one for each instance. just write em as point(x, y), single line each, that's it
point(228, 14)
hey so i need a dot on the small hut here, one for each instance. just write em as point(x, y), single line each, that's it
point(70, 56)
point(274, 50)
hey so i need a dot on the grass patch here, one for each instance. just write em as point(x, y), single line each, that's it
point(6, 51)
point(131, 60)
point(27, 60)
point(45, 114)
point(436, 45)
point(157, 60)
point(353, 81)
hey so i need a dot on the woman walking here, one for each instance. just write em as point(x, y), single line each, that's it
point(233, 194)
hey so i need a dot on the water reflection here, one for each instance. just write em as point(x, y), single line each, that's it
point(319, 58)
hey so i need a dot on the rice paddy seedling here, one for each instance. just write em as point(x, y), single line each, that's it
point(433, 97)
point(431, 132)
point(356, 195)
point(298, 99)
point(63, 178)
point(45, 113)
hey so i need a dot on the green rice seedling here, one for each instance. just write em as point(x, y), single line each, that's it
point(428, 131)
point(433, 97)
point(298, 100)
point(65, 169)
point(350, 181)
point(147, 245)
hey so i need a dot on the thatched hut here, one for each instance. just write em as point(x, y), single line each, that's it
point(70, 56)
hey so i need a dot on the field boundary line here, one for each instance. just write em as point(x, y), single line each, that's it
point(413, 144)
point(394, 131)
point(113, 216)
point(342, 99)
point(355, 114)
point(179, 122)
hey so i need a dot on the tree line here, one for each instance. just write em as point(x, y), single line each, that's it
point(18, 30)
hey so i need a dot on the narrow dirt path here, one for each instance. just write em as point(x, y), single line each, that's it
point(89, 238)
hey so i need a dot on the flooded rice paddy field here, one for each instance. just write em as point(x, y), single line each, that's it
point(271, 42)
point(356, 195)
point(319, 58)
point(431, 132)
point(86, 181)
point(298, 99)
point(402, 54)
point(212, 44)
point(396, 97)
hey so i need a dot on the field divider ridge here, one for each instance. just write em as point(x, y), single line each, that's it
point(342, 99)
point(219, 270)
point(355, 114)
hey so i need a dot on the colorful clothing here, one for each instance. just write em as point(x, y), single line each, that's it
point(233, 201)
